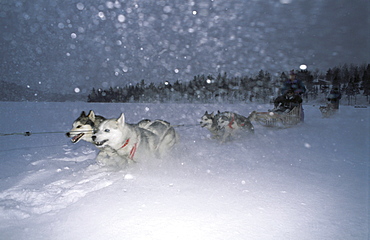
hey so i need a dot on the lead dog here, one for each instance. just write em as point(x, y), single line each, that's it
point(121, 143)
point(83, 127)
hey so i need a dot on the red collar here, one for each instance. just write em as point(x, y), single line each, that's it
point(133, 149)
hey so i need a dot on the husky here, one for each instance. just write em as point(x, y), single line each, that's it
point(121, 143)
point(208, 120)
point(168, 137)
point(224, 125)
point(83, 127)
point(327, 111)
point(232, 123)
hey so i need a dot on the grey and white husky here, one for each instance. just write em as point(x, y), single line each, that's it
point(328, 110)
point(209, 121)
point(233, 123)
point(121, 143)
point(224, 125)
point(83, 127)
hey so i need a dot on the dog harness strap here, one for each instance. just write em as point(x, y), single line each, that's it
point(125, 144)
point(133, 151)
point(232, 121)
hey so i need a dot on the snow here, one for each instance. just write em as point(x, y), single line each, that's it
point(307, 182)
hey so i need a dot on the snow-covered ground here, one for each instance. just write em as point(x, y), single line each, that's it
point(307, 182)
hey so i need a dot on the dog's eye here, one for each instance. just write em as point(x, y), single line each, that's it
point(79, 126)
point(107, 130)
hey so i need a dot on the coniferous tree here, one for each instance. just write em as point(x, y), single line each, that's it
point(366, 82)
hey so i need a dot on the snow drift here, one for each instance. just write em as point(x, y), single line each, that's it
point(306, 182)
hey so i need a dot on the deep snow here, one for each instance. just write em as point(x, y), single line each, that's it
point(307, 182)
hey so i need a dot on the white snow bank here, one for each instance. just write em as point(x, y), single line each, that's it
point(306, 182)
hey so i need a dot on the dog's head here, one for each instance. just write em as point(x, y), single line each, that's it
point(207, 120)
point(223, 120)
point(111, 132)
point(83, 127)
point(323, 109)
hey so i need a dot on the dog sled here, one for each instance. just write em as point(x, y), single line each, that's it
point(277, 119)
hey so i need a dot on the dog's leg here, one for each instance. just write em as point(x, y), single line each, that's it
point(250, 127)
point(225, 136)
point(110, 158)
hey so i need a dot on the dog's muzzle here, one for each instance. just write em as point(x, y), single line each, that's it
point(203, 124)
point(101, 143)
point(76, 138)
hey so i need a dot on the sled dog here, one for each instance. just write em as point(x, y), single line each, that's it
point(327, 111)
point(121, 143)
point(83, 127)
point(224, 125)
point(208, 120)
point(231, 123)
point(166, 133)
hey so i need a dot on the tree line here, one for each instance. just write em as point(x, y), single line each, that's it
point(353, 81)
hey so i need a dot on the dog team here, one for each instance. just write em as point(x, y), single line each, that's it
point(226, 125)
point(121, 143)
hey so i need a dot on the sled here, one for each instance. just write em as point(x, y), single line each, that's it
point(276, 119)
point(328, 110)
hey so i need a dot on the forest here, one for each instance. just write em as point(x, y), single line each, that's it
point(353, 81)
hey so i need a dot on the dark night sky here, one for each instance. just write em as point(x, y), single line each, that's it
point(62, 45)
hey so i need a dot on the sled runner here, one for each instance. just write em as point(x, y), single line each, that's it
point(277, 119)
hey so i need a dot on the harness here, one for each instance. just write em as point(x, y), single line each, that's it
point(232, 122)
point(133, 149)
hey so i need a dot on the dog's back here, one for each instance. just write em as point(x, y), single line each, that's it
point(166, 134)
point(231, 120)
point(231, 123)
point(158, 126)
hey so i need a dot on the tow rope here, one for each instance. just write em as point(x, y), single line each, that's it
point(31, 133)
point(27, 133)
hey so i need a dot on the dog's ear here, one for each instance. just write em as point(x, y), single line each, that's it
point(91, 115)
point(121, 120)
point(83, 114)
point(206, 113)
point(218, 112)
